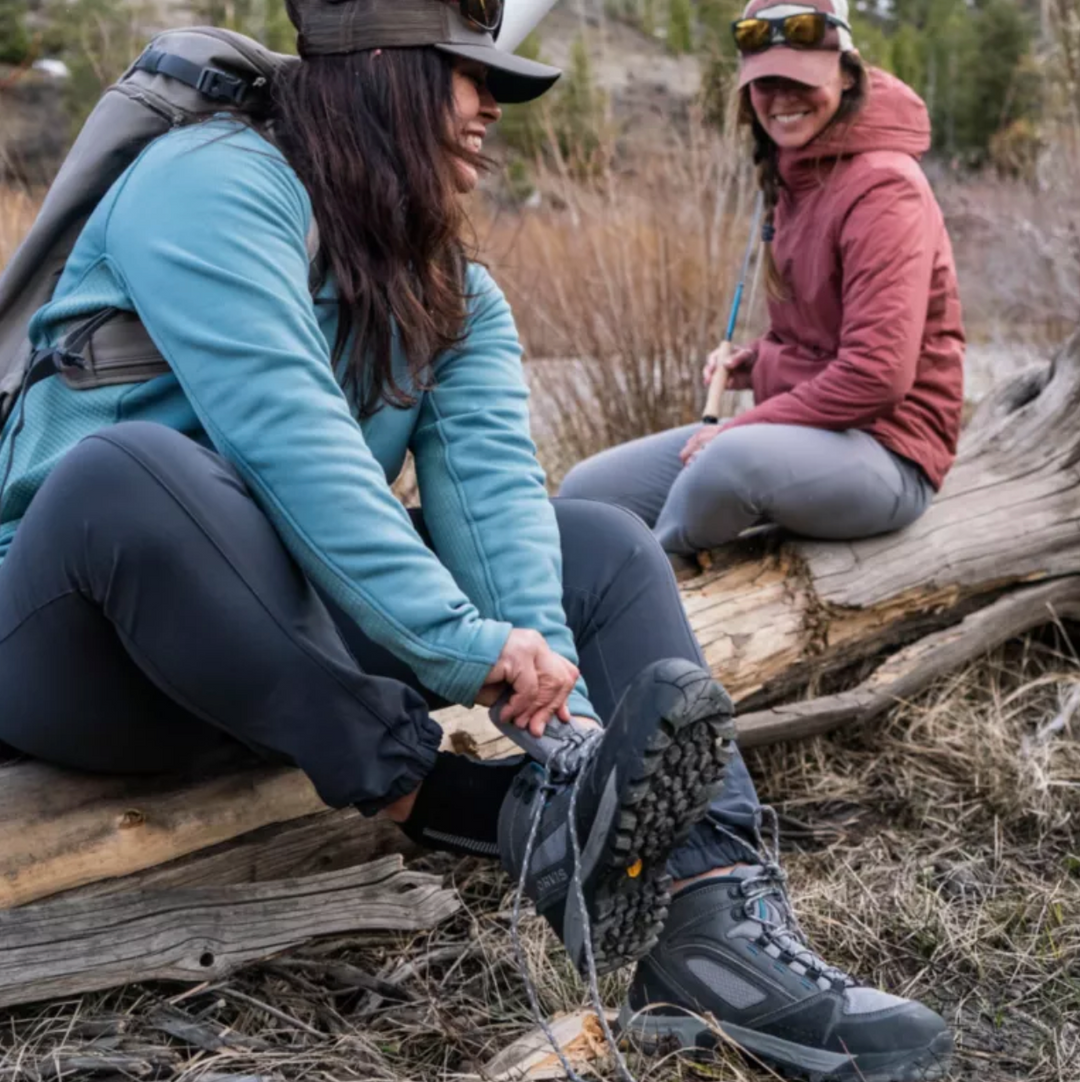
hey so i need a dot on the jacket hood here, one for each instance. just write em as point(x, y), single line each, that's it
point(894, 118)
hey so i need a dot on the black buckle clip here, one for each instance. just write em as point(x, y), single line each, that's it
point(63, 359)
point(55, 360)
point(221, 86)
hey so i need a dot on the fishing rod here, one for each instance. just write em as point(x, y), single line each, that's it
point(719, 381)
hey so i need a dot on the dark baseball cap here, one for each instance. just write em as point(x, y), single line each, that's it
point(347, 26)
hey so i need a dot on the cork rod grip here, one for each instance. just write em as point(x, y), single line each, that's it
point(718, 385)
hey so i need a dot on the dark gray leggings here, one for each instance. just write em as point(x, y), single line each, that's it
point(828, 485)
point(150, 616)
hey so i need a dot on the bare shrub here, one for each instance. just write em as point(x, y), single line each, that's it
point(1017, 249)
point(17, 211)
point(621, 288)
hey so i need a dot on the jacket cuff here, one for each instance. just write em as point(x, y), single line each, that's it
point(580, 706)
point(461, 683)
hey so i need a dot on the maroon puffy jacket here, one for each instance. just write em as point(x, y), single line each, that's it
point(871, 335)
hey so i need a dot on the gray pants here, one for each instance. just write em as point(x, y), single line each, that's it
point(827, 485)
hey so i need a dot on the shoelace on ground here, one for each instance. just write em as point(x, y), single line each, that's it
point(567, 762)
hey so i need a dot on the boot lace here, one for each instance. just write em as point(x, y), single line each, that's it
point(766, 893)
point(564, 766)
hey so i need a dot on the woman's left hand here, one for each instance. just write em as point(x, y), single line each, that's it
point(698, 442)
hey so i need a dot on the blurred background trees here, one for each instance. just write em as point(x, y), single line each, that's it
point(14, 34)
point(992, 72)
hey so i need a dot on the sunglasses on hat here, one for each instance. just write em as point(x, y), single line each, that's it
point(806, 30)
point(485, 15)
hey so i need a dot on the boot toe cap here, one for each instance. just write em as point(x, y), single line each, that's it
point(897, 1027)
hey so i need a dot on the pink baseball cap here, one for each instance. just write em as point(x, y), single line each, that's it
point(814, 67)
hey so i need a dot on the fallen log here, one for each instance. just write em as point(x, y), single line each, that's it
point(811, 615)
point(806, 635)
point(76, 945)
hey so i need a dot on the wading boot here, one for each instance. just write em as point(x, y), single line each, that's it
point(640, 784)
point(732, 949)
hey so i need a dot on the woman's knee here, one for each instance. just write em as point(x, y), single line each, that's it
point(122, 448)
point(726, 474)
point(114, 477)
point(588, 480)
point(601, 539)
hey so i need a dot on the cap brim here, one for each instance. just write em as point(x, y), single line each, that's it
point(511, 79)
point(814, 67)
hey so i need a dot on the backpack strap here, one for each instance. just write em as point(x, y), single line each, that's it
point(117, 350)
point(113, 346)
point(216, 84)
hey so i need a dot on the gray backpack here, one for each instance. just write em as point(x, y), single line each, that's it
point(181, 77)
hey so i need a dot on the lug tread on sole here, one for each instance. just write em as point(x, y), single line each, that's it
point(629, 921)
point(682, 771)
point(680, 776)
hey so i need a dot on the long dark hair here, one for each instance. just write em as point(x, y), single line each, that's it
point(767, 157)
point(370, 135)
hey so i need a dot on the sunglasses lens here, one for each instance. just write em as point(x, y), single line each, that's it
point(752, 35)
point(804, 31)
point(485, 14)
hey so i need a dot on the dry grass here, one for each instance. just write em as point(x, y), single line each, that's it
point(1017, 249)
point(621, 288)
point(17, 210)
point(935, 855)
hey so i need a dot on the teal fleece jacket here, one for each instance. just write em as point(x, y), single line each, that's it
point(204, 237)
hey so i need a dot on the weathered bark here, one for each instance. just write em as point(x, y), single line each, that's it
point(1008, 516)
point(61, 830)
point(77, 945)
point(806, 635)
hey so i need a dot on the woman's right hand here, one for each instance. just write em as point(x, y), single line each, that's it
point(739, 367)
point(541, 681)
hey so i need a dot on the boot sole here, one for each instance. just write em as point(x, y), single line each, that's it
point(653, 1033)
point(681, 772)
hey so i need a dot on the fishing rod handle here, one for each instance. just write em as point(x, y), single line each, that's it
point(718, 386)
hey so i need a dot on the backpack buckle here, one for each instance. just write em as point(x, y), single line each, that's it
point(221, 86)
point(57, 359)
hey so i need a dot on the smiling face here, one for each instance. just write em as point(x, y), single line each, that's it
point(792, 113)
point(474, 111)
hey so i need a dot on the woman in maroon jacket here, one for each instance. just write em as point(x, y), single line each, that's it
point(858, 384)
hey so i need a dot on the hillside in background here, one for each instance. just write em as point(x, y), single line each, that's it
point(645, 85)
point(997, 75)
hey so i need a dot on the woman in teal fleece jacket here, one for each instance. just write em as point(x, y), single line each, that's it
point(217, 555)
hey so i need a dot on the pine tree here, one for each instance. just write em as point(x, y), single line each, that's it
point(14, 38)
point(264, 20)
point(648, 17)
point(578, 113)
point(522, 126)
point(680, 30)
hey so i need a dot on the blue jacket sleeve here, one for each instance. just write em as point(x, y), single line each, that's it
point(481, 486)
point(209, 240)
